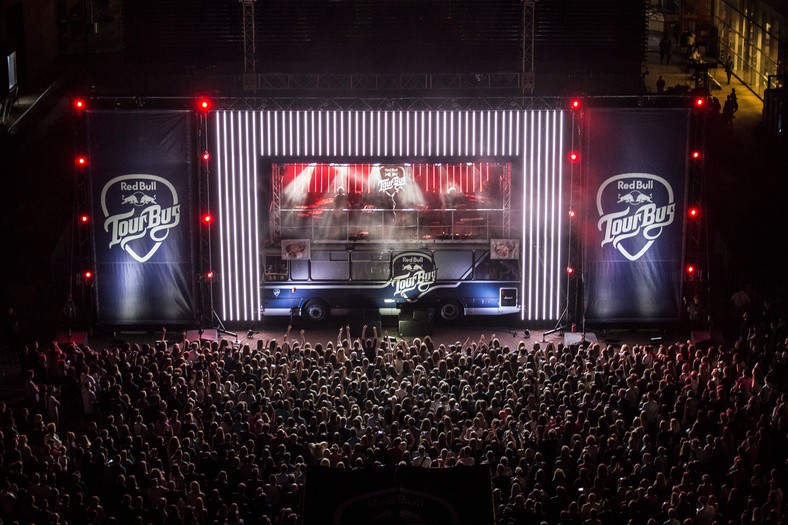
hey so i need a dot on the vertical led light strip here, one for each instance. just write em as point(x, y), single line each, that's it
point(473, 133)
point(355, 133)
point(467, 134)
point(495, 134)
point(488, 134)
point(559, 214)
point(407, 133)
point(221, 190)
point(378, 120)
point(312, 134)
point(524, 311)
point(240, 211)
point(249, 226)
point(341, 133)
point(550, 211)
point(420, 139)
point(451, 133)
point(531, 175)
point(428, 138)
point(444, 133)
point(386, 133)
point(364, 116)
point(400, 146)
point(255, 246)
point(333, 133)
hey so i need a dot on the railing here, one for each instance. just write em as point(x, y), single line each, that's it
point(385, 224)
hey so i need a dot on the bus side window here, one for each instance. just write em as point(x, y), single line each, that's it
point(275, 269)
point(509, 270)
point(486, 270)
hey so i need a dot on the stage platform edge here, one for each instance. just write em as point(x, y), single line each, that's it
point(209, 334)
point(77, 337)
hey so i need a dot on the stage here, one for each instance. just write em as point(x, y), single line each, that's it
point(509, 333)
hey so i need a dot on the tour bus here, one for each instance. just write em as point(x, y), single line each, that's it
point(388, 237)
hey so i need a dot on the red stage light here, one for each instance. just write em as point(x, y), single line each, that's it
point(691, 269)
point(570, 270)
point(575, 103)
point(84, 219)
point(206, 156)
point(203, 104)
point(81, 160)
point(700, 103)
point(696, 154)
point(79, 104)
point(693, 212)
point(207, 218)
point(574, 156)
point(209, 275)
point(87, 274)
point(571, 214)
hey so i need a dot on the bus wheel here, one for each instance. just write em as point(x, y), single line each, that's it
point(316, 311)
point(450, 312)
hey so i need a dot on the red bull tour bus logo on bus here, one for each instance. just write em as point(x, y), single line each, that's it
point(413, 274)
point(392, 180)
point(139, 212)
point(633, 209)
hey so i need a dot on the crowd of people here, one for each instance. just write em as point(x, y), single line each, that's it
point(211, 432)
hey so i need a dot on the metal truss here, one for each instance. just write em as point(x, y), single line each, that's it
point(341, 103)
point(392, 82)
point(250, 58)
point(574, 212)
point(506, 204)
point(81, 256)
point(527, 82)
point(275, 217)
point(204, 281)
point(697, 242)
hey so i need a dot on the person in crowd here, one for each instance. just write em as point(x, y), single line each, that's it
point(210, 432)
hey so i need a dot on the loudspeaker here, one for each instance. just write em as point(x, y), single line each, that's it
point(415, 323)
point(704, 339)
point(78, 338)
point(574, 338)
point(370, 317)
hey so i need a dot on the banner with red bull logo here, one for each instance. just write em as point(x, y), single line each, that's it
point(140, 171)
point(635, 186)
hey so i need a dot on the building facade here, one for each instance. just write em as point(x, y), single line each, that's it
point(755, 35)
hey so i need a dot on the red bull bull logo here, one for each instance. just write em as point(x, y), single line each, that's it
point(139, 212)
point(634, 208)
